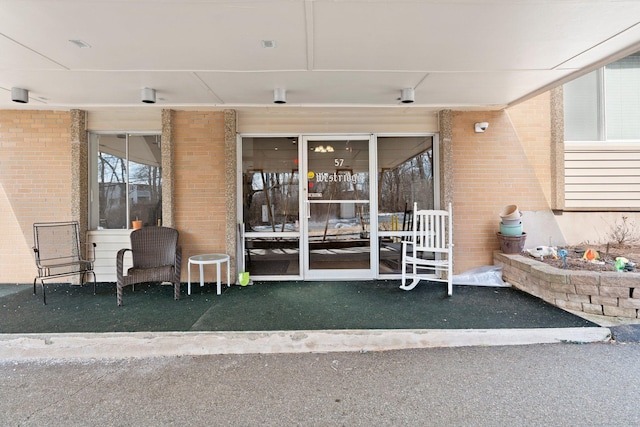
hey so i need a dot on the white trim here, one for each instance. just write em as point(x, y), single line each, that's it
point(307, 272)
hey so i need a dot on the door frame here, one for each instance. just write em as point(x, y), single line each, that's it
point(344, 274)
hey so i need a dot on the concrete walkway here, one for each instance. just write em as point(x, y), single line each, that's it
point(535, 385)
point(148, 344)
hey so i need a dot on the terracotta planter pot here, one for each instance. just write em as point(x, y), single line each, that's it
point(136, 224)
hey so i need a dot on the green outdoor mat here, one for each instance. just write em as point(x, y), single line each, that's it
point(278, 306)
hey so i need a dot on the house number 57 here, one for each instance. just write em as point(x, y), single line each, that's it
point(338, 162)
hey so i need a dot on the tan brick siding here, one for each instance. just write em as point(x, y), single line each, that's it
point(508, 164)
point(532, 124)
point(35, 183)
point(499, 167)
point(199, 171)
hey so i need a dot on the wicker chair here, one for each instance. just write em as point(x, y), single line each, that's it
point(156, 258)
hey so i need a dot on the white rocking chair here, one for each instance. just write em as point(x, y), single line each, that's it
point(430, 249)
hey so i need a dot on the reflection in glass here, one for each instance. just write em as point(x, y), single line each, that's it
point(129, 180)
point(339, 236)
point(405, 176)
point(145, 183)
point(272, 256)
point(270, 184)
point(338, 184)
point(270, 205)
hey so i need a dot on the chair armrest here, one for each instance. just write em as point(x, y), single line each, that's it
point(406, 243)
point(90, 252)
point(120, 263)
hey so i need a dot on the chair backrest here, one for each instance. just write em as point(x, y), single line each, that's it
point(154, 246)
point(56, 242)
point(407, 219)
point(432, 230)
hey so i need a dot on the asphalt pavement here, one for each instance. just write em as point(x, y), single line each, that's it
point(532, 385)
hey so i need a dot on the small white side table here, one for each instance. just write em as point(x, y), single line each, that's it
point(206, 259)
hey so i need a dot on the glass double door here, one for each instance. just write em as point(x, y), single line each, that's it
point(331, 207)
point(336, 207)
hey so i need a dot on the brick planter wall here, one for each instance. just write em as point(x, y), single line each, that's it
point(606, 293)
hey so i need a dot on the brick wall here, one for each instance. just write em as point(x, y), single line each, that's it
point(508, 164)
point(35, 183)
point(532, 124)
point(504, 165)
point(199, 172)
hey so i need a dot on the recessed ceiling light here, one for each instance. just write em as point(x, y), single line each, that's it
point(268, 44)
point(80, 43)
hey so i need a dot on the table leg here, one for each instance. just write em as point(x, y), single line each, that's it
point(219, 266)
point(201, 275)
point(189, 285)
point(228, 274)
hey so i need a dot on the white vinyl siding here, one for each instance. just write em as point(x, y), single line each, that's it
point(602, 176)
point(108, 243)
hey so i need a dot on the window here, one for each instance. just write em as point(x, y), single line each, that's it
point(126, 180)
point(270, 184)
point(582, 108)
point(622, 98)
point(405, 176)
point(604, 105)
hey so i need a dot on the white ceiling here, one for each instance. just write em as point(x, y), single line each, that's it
point(459, 54)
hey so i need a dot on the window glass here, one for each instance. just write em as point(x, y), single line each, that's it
point(405, 176)
point(581, 108)
point(126, 176)
point(604, 105)
point(270, 205)
point(270, 184)
point(622, 79)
